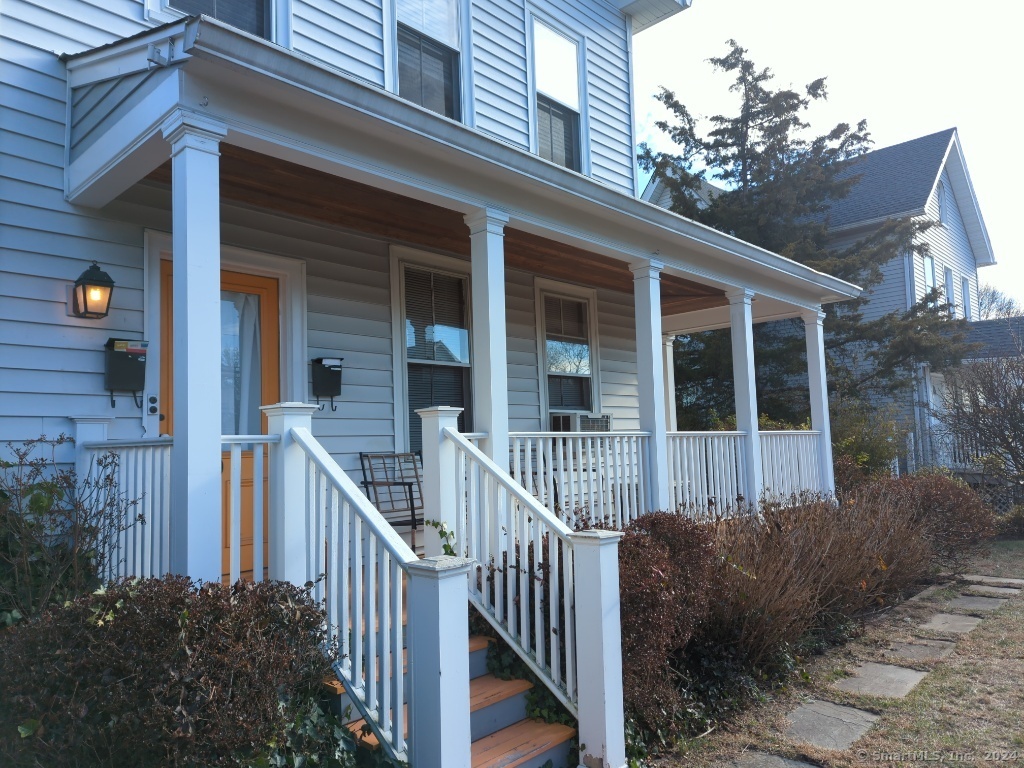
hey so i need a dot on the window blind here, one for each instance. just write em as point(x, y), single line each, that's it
point(248, 15)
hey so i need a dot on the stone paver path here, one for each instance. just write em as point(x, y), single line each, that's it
point(762, 760)
point(828, 725)
point(873, 679)
point(985, 589)
point(975, 603)
point(951, 623)
point(921, 649)
point(995, 580)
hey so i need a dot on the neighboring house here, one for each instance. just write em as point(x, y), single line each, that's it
point(992, 340)
point(925, 178)
point(438, 198)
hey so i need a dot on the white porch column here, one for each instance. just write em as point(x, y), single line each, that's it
point(286, 523)
point(816, 378)
point(650, 357)
point(742, 330)
point(439, 732)
point(599, 648)
point(439, 468)
point(490, 354)
point(88, 429)
point(196, 457)
point(670, 384)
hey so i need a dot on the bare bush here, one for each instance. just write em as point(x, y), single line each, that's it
point(55, 527)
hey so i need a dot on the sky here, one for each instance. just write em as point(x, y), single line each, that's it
point(909, 67)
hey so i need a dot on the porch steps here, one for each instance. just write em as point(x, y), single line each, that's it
point(502, 735)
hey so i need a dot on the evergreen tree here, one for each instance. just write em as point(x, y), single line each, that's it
point(779, 180)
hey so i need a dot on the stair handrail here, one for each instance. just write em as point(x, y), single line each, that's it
point(525, 519)
point(370, 661)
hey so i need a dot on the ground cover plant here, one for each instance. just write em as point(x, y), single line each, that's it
point(166, 672)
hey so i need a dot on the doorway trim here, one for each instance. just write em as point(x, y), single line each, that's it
point(291, 276)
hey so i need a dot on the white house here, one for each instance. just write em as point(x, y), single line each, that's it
point(439, 196)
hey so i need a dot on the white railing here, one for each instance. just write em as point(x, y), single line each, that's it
point(524, 586)
point(706, 470)
point(600, 474)
point(364, 563)
point(244, 504)
point(791, 463)
point(142, 476)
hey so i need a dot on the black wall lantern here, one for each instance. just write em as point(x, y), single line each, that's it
point(91, 295)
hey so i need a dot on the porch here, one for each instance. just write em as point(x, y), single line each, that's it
point(456, 277)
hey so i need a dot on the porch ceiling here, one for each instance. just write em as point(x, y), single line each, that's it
point(261, 181)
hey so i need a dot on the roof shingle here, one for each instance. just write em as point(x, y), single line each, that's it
point(894, 180)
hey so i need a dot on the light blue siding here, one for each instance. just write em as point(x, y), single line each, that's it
point(345, 34)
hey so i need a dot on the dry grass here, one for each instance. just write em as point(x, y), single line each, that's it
point(970, 704)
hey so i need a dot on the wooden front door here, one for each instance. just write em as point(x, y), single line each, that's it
point(250, 377)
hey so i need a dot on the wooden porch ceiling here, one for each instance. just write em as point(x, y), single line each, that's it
point(260, 181)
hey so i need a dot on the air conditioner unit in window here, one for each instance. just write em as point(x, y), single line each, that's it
point(595, 422)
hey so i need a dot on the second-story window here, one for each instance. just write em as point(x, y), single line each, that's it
point(251, 16)
point(428, 56)
point(557, 83)
point(929, 274)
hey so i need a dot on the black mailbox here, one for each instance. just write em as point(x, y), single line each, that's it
point(125, 369)
point(327, 379)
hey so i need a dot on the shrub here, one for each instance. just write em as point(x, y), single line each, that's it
point(867, 433)
point(807, 567)
point(165, 672)
point(665, 564)
point(953, 517)
point(54, 527)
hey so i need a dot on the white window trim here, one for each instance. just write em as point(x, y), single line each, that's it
point(291, 277)
point(965, 297)
point(535, 16)
point(467, 100)
point(400, 257)
point(942, 203)
point(949, 289)
point(161, 12)
point(542, 287)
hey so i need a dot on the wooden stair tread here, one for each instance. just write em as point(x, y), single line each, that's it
point(370, 740)
point(488, 689)
point(518, 743)
point(479, 642)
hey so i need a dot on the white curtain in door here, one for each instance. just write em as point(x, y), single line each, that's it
point(241, 365)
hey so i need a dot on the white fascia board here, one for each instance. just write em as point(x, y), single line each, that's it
point(647, 13)
point(967, 202)
point(713, 318)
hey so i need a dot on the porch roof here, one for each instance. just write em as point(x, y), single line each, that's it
point(287, 106)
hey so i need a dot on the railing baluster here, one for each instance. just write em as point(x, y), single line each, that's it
point(259, 456)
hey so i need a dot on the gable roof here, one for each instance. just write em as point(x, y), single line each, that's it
point(1002, 337)
point(895, 181)
point(898, 181)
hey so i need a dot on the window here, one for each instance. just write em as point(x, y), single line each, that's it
point(252, 16)
point(929, 274)
point(568, 354)
point(556, 69)
point(940, 196)
point(965, 297)
point(428, 57)
point(948, 290)
point(436, 345)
